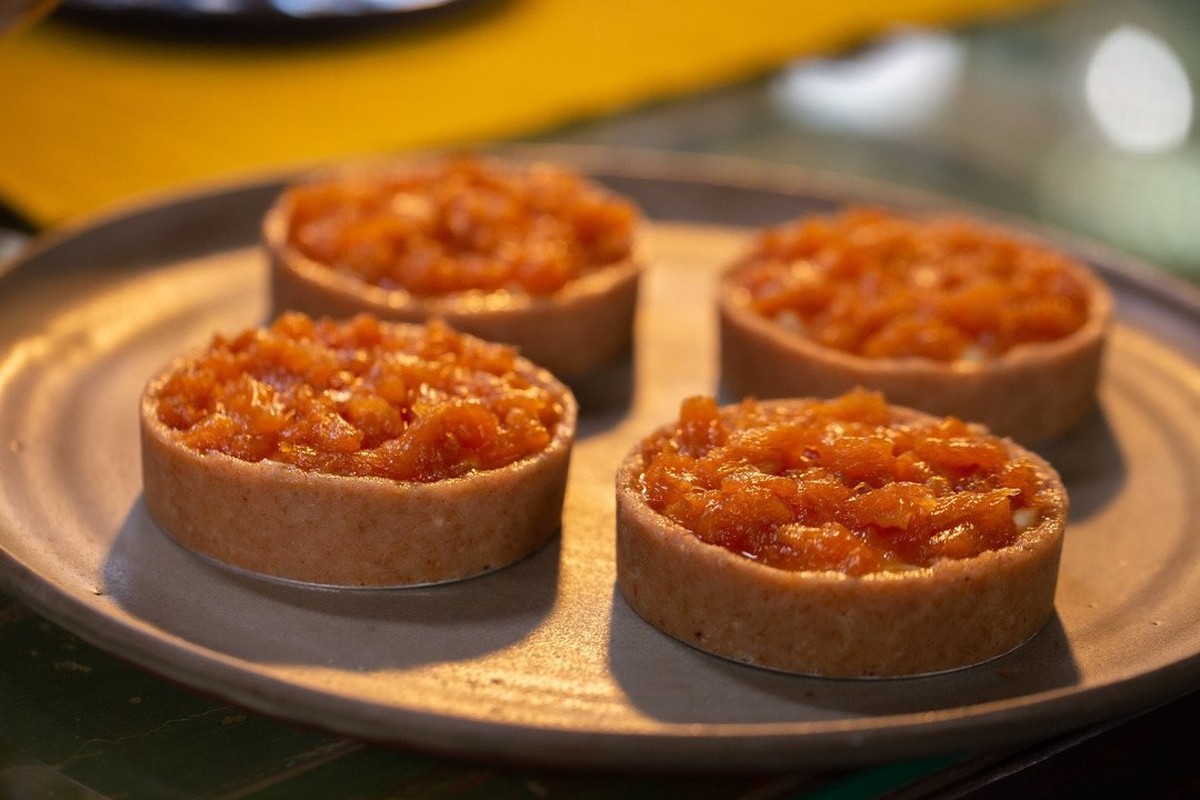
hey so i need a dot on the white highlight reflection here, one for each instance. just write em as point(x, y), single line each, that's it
point(889, 89)
point(1138, 91)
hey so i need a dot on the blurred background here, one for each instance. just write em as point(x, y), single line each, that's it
point(1074, 114)
point(1078, 114)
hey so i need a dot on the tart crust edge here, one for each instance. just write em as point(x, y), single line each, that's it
point(277, 520)
point(587, 323)
point(953, 614)
point(1031, 394)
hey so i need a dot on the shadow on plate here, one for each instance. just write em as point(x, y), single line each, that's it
point(673, 682)
point(262, 620)
point(1090, 462)
point(605, 395)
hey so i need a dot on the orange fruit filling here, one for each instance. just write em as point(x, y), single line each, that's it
point(463, 224)
point(843, 484)
point(360, 398)
point(877, 285)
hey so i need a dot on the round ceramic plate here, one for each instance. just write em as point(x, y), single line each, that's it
point(543, 661)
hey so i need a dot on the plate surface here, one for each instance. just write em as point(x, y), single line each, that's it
point(543, 662)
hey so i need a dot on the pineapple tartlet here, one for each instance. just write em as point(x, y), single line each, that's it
point(843, 537)
point(536, 256)
point(357, 453)
point(942, 314)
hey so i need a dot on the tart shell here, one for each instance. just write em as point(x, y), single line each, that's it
point(585, 324)
point(952, 614)
point(1032, 393)
point(281, 521)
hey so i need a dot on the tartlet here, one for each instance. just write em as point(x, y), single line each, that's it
point(535, 255)
point(943, 314)
point(843, 538)
point(357, 453)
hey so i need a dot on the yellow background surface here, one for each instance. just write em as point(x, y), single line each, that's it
point(90, 118)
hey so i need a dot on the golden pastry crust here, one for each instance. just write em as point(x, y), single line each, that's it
point(1032, 392)
point(337, 530)
point(948, 615)
point(585, 323)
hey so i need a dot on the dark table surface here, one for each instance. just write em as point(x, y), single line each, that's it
point(1007, 116)
point(80, 723)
